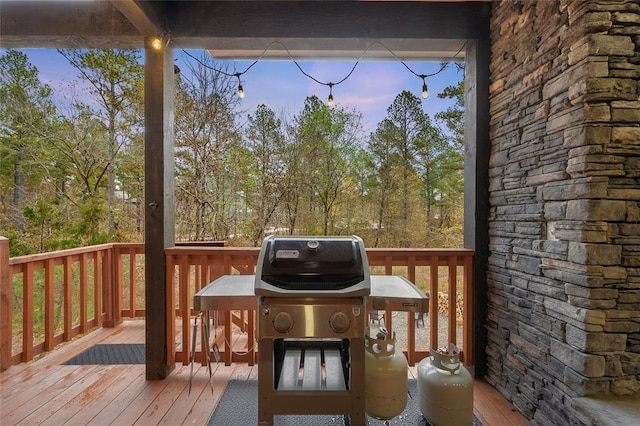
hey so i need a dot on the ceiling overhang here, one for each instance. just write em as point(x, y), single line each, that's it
point(337, 49)
point(244, 29)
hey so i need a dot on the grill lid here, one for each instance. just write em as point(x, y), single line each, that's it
point(312, 266)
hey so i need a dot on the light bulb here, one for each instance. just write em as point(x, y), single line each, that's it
point(330, 99)
point(425, 90)
point(156, 43)
point(240, 89)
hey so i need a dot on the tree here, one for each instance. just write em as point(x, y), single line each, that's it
point(453, 178)
point(265, 143)
point(432, 151)
point(26, 110)
point(406, 130)
point(208, 174)
point(293, 181)
point(114, 76)
point(453, 116)
point(328, 138)
point(77, 167)
point(383, 160)
point(47, 221)
point(131, 188)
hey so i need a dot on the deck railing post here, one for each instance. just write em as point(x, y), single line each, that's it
point(6, 308)
point(171, 309)
point(112, 282)
point(116, 275)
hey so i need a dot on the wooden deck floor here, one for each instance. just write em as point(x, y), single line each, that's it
point(46, 392)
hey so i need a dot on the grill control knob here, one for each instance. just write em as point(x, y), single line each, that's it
point(282, 322)
point(339, 322)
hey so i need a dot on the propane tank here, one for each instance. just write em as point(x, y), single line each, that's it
point(445, 389)
point(385, 377)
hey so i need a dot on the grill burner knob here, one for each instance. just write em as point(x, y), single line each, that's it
point(339, 322)
point(282, 322)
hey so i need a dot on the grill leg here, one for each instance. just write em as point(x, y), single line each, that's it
point(265, 382)
point(358, 416)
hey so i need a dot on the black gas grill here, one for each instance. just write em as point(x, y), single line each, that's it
point(312, 267)
point(312, 294)
point(311, 325)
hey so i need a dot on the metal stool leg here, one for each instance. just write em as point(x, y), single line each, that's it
point(207, 352)
point(193, 349)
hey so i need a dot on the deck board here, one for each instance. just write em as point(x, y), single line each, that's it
point(46, 392)
point(489, 406)
point(76, 402)
point(99, 405)
point(63, 400)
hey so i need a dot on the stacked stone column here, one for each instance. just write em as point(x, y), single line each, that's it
point(564, 265)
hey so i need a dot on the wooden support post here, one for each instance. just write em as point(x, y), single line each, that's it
point(476, 185)
point(159, 201)
point(6, 306)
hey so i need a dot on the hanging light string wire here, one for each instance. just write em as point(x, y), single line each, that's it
point(425, 89)
point(329, 84)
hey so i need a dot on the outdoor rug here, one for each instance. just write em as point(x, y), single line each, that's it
point(118, 353)
point(238, 406)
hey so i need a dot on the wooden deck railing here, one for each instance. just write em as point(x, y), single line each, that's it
point(50, 298)
point(191, 268)
point(60, 295)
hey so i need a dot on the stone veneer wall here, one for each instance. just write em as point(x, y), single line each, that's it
point(564, 223)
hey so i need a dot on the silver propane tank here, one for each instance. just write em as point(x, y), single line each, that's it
point(385, 377)
point(445, 389)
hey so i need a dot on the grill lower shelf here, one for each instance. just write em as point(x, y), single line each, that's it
point(304, 369)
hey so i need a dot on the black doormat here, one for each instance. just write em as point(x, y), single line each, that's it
point(117, 353)
point(238, 406)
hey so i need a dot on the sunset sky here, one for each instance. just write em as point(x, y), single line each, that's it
point(281, 86)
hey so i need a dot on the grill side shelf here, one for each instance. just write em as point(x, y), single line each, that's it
point(395, 293)
point(388, 292)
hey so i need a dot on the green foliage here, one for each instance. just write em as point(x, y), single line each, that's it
point(20, 243)
point(328, 139)
point(115, 78)
point(209, 162)
point(313, 172)
point(265, 160)
point(45, 219)
point(77, 179)
point(453, 117)
point(452, 181)
point(26, 111)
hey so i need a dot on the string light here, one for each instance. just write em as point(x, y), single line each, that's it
point(237, 74)
point(425, 89)
point(330, 100)
point(240, 89)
